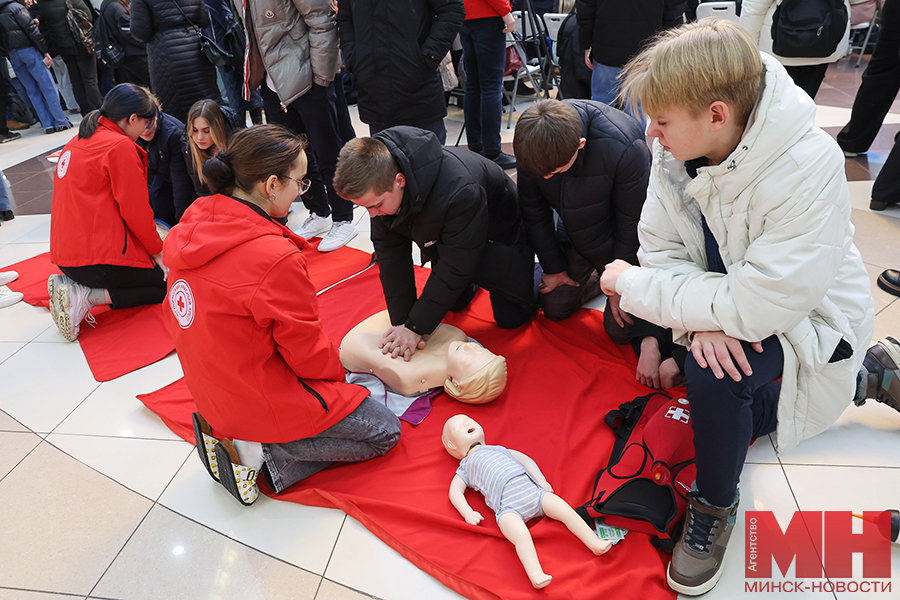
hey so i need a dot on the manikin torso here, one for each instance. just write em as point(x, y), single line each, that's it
point(426, 369)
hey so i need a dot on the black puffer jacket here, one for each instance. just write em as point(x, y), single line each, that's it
point(393, 49)
point(445, 212)
point(165, 159)
point(55, 26)
point(118, 24)
point(599, 198)
point(615, 30)
point(20, 28)
point(179, 72)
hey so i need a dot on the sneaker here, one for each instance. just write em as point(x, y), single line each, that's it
point(72, 305)
point(52, 282)
point(341, 233)
point(506, 161)
point(8, 277)
point(9, 297)
point(239, 480)
point(851, 154)
point(882, 360)
point(206, 445)
point(9, 137)
point(697, 560)
point(7, 215)
point(314, 226)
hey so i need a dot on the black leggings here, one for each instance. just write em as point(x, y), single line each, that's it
point(128, 286)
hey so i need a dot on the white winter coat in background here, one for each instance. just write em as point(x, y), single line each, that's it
point(756, 18)
point(779, 208)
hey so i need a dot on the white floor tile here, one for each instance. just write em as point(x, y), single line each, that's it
point(833, 116)
point(24, 323)
point(7, 423)
point(113, 409)
point(301, 535)
point(864, 436)
point(13, 253)
point(144, 466)
point(14, 446)
point(43, 383)
point(363, 562)
point(25, 229)
point(34, 142)
point(7, 349)
point(882, 298)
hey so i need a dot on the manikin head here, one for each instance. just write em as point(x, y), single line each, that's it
point(461, 434)
point(475, 375)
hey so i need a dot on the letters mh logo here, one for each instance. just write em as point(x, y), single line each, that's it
point(679, 414)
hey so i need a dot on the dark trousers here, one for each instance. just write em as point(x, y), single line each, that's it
point(437, 128)
point(887, 184)
point(808, 77)
point(879, 87)
point(128, 286)
point(727, 415)
point(5, 89)
point(83, 73)
point(134, 69)
point(315, 115)
point(162, 200)
point(484, 58)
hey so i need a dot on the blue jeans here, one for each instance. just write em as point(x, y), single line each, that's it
point(727, 415)
point(605, 87)
point(369, 431)
point(484, 57)
point(29, 67)
point(4, 194)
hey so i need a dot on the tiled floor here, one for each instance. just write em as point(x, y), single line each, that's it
point(101, 500)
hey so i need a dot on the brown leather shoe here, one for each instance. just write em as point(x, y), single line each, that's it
point(16, 125)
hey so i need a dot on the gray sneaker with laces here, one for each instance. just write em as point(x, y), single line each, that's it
point(72, 306)
point(697, 560)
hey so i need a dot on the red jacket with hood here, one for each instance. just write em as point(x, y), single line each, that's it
point(245, 320)
point(101, 211)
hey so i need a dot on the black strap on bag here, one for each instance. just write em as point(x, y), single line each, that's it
point(213, 52)
point(808, 28)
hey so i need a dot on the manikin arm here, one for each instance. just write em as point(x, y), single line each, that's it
point(532, 469)
point(458, 500)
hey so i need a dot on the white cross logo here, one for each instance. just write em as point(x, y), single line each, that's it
point(679, 414)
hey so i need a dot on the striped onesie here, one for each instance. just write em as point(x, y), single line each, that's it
point(506, 485)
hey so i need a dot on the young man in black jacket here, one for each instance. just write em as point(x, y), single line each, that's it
point(589, 164)
point(460, 209)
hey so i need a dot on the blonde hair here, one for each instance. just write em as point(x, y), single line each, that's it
point(692, 66)
point(364, 164)
point(481, 387)
point(209, 110)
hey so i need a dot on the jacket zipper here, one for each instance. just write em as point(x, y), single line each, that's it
point(314, 393)
point(125, 247)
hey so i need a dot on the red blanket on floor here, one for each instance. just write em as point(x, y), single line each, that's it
point(131, 338)
point(563, 379)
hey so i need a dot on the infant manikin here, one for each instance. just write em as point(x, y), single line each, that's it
point(466, 370)
point(514, 488)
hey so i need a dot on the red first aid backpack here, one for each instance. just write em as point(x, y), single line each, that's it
point(645, 484)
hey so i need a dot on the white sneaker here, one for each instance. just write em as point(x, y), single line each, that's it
point(9, 297)
point(340, 234)
point(8, 277)
point(72, 306)
point(314, 226)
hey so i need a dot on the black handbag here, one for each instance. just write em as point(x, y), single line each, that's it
point(808, 28)
point(213, 52)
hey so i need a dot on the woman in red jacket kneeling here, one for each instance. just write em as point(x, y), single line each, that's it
point(246, 326)
point(102, 234)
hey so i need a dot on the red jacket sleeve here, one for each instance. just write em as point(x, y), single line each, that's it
point(286, 299)
point(126, 166)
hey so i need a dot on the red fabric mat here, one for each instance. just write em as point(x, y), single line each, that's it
point(563, 378)
point(128, 339)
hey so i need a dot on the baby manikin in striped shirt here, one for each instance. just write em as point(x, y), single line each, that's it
point(514, 488)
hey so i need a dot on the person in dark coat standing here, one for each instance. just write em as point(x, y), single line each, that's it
point(81, 64)
point(612, 32)
point(460, 209)
point(393, 49)
point(116, 15)
point(180, 73)
point(589, 163)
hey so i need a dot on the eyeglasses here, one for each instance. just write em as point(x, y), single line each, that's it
point(303, 185)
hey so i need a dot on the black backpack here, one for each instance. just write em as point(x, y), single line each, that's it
point(107, 48)
point(17, 110)
point(808, 28)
